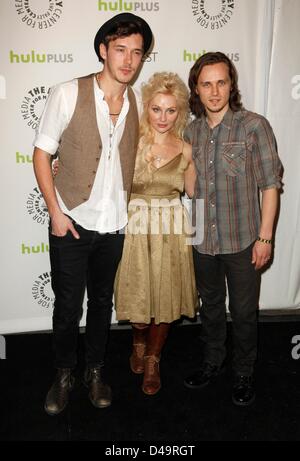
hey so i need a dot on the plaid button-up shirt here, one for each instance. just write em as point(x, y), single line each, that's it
point(234, 161)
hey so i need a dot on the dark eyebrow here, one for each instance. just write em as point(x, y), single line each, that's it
point(134, 49)
point(210, 81)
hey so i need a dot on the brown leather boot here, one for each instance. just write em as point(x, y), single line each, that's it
point(156, 339)
point(151, 383)
point(136, 359)
point(100, 393)
point(58, 395)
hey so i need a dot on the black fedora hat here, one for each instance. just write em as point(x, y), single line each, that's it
point(107, 27)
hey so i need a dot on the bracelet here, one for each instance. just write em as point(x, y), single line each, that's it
point(259, 239)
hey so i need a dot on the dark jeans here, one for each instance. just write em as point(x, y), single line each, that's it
point(90, 262)
point(243, 289)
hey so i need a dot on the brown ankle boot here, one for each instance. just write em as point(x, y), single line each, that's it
point(151, 383)
point(58, 395)
point(139, 347)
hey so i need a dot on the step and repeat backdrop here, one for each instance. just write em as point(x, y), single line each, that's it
point(43, 42)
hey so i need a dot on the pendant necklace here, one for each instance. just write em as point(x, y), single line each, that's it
point(111, 124)
point(111, 134)
point(157, 158)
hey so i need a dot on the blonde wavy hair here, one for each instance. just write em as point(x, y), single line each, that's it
point(161, 83)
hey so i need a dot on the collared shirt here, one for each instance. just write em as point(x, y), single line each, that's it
point(106, 209)
point(234, 160)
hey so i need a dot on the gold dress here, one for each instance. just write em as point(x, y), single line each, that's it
point(155, 278)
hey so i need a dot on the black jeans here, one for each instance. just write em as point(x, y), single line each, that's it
point(90, 262)
point(243, 289)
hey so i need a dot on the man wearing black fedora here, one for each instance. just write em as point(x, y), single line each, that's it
point(92, 124)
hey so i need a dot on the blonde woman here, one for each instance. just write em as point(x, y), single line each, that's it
point(155, 282)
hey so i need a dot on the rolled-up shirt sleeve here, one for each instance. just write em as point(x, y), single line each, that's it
point(53, 122)
point(266, 162)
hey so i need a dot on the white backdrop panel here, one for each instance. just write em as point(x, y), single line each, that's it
point(281, 284)
point(43, 42)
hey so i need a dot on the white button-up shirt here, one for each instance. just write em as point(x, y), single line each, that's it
point(106, 208)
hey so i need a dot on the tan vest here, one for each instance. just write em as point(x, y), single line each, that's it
point(80, 147)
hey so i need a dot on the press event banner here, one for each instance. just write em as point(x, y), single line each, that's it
point(44, 42)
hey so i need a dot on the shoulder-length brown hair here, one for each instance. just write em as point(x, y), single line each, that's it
point(206, 59)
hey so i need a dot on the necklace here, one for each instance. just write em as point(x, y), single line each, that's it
point(111, 134)
point(112, 125)
point(158, 158)
point(98, 83)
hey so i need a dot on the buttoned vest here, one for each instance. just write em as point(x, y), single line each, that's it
point(80, 147)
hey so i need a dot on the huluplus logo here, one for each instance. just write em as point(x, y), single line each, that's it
point(28, 249)
point(22, 159)
point(127, 6)
point(35, 57)
point(191, 56)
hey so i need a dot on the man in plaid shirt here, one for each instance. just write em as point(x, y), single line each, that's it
point(236, 157)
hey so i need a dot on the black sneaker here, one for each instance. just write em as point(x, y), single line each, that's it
point(243, 392)
point(204, 376)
